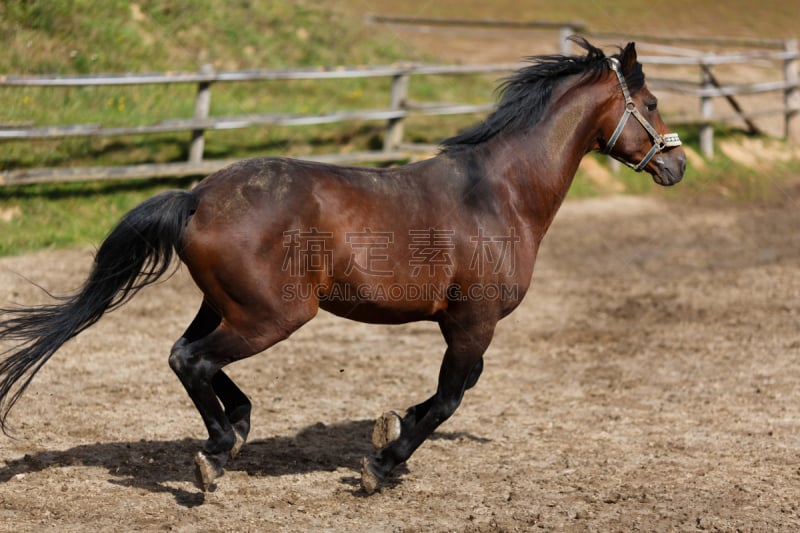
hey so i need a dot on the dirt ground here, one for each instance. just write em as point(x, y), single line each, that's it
point(650, 381)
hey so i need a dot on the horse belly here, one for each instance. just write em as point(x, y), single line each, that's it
point(382, 304)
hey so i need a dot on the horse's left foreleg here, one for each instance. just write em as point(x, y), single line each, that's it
point(460, 368)
point(391, 424)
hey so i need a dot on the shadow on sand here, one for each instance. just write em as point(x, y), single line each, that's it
point(154, 465)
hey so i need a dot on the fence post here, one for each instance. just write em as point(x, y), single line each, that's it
point(791, 96)
point(202, 104)
point(706, 112)
point(394, 127)
point(564, 44)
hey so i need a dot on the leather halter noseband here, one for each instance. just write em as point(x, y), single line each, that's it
point(660, 142)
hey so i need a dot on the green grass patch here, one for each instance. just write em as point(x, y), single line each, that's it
point(87, 37)
point(33, 217)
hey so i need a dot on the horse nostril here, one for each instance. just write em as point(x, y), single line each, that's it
point(682, 164)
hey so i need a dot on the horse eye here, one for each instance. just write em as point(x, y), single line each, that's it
point(652, 106)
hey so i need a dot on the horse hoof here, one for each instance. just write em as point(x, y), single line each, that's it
point(369, 479)
point(237, 445)
point(387, 429)
point(206, 472)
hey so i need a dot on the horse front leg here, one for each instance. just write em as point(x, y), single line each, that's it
point(391, 424)
point(398, 437)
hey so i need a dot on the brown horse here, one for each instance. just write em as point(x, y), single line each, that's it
point(452, 239)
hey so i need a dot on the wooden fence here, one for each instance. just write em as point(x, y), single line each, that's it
point(761, 52)
point(710, 88)
point(398, 108)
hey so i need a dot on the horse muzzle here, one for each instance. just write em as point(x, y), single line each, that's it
point(669, 167)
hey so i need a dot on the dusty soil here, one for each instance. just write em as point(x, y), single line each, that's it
point(650, 381)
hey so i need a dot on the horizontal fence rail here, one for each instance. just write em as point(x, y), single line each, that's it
point(399, 108)
point(705, 87)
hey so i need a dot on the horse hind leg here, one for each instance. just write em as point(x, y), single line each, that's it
point(196, 364)
point(197, 359)
point(237, 408)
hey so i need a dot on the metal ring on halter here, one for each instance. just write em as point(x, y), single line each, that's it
point(660, 142)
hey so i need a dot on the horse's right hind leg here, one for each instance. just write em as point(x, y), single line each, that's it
point(237, 408)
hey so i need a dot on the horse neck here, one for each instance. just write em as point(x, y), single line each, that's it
point(537, 167)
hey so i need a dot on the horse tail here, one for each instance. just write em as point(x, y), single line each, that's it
point(135, 254)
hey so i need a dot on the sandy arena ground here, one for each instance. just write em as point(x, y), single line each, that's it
point(649, 382)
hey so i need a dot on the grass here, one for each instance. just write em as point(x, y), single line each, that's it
point(48, 216)
point(86, 37)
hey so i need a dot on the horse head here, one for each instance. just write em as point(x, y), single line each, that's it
point(644, 143)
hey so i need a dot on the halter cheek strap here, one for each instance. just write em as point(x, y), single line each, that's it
point(660, 142)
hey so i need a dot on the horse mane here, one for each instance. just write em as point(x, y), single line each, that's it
point(524, 96)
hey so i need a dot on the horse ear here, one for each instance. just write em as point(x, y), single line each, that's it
point(628, 58)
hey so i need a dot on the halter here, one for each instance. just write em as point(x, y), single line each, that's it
point(660, 142)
